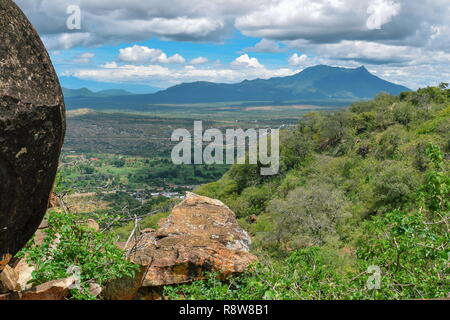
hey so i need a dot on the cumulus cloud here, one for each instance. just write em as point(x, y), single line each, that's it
point(249, 69)
point(113, 21)
point(199, 60)
point(66, 41)
point(381, 12)
point(367, 52)
point(298, 60)
point(318, 21)
point(247, 62)
point(382, 33)
point(266, 46)
point(141, 54)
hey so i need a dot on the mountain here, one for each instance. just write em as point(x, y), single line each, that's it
point(71, 82)
point(315, 85)
point(84, 92)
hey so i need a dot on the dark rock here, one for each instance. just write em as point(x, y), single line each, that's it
point(32, 127)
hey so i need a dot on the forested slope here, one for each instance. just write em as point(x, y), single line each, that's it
point(362, 190)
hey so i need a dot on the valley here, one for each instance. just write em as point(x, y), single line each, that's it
point(112, 159)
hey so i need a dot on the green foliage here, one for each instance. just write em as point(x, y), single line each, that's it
point(368, 186)
point(395, 186)
point(308, 216)
point(69, 243)
point(388, 145)
point(436, 192)
point(305, 274)
point(296, 148)
point(411, 249)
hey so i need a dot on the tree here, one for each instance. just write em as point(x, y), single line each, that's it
point(308, 216)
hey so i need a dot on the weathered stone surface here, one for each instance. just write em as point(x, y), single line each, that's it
point(95, 289)
point(32, 126)
point(124, 288)
point(53, 290)
point(200, 235)
point(92, 224)
point(8, 280)
point(24, 272)
point(53, 201)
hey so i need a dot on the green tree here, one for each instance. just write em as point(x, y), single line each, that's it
point(308, 216)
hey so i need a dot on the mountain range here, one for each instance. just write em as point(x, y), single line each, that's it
point(315, 85)
point(84, 92)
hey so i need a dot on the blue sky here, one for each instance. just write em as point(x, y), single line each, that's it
point(144, 45)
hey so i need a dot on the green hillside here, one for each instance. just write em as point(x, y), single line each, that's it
point(362, 187)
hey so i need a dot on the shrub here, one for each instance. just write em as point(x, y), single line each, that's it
point(308, 216)
point(388, 145)
point(68, 243)
point(395, 187)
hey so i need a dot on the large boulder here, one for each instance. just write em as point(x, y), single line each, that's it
point(200, 235)
point(32, 127)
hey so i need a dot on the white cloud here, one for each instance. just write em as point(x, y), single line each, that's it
point(367, 52)
point(163, 75)
point(139, 54)
point(199, 60)
point(246, 61)
point(176, 58)
point(319, 21)
point(110, 65)
point(84, 57)
point(266, 46)
point(381, 33)
point(66, 40)
point(381, 12)
point(113, 21)
point(296, 60)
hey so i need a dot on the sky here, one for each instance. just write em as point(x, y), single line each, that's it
point(144, 45)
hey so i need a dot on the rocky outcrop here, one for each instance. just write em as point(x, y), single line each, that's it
point(200, 235)
point(53, 290)
point(32, 126)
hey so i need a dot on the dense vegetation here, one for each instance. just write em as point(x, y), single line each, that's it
point(363, 192)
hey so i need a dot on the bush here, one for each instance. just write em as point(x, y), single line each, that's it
point(308, 217)
point(389, 143)
point(253, 201)
point(395, 187)
point(68, 243)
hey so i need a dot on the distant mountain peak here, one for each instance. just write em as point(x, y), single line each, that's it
point(85, 92)
point(314, 85)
